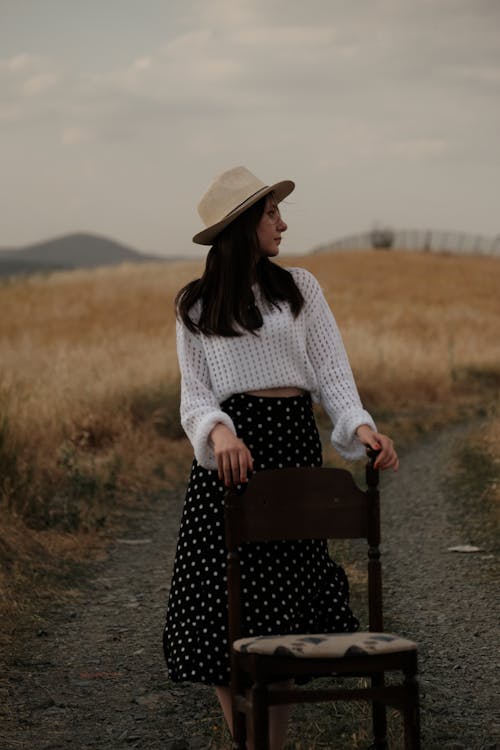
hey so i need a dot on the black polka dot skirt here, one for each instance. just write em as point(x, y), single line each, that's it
point(288, 586)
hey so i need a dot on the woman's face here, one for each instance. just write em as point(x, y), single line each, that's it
point(270, 228)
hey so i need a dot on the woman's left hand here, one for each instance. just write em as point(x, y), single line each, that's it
point(387, 457)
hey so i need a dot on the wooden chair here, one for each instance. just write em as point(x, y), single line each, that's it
point(312, 503)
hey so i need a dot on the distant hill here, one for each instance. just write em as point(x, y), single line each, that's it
point(68, 252)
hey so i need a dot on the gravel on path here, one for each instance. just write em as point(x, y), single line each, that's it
point(92, 674)
point(449, 602)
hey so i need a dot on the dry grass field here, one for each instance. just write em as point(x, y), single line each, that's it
point(89, 380)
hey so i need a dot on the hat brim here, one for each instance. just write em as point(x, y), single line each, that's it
point(280, 190)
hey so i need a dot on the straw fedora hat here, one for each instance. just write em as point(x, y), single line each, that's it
point(230, 194)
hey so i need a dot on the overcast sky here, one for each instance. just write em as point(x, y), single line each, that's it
point(116, 114)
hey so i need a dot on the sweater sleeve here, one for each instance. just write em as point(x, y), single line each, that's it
point(338, 392)
point(200, 410)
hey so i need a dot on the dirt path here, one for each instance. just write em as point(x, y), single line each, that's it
point(448, 602)
point(92, 675)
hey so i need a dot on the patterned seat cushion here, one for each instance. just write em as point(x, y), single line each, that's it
point(325, 645)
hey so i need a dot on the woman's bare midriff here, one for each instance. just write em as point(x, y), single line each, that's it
point(288, 392)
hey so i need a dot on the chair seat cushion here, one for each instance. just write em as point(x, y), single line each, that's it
point(325, 645)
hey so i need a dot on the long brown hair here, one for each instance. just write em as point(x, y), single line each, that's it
point(225, 289)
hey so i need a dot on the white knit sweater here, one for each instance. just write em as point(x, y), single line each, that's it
point(305, 352)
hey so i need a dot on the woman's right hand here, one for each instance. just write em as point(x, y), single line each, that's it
point(234, 460)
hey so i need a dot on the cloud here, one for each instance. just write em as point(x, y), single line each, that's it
point(476, 73)
point(71, 136)
point(25, 75)
point(364, 82)
point(19, 63)
point(352, 98)
point(142, 63)
point(234, 56)
point(288, 38)
point(418, 148)
point(227, 14)
point(39, 84)
point(132, 76)
point(9, 113)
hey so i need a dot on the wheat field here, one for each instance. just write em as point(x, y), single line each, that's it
point(89, 373)
point(89, 384)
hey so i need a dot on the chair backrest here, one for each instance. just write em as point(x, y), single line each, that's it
point(304, 503)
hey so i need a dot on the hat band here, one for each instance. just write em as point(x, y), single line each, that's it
point(249, 197)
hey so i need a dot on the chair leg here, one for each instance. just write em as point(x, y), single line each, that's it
point(412, 713)
point(239, 730)
point(379, 717)
point(260, 716)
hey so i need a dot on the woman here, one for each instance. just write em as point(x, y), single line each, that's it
point(256, 344)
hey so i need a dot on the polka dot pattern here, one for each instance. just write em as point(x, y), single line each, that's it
point(288, 586)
